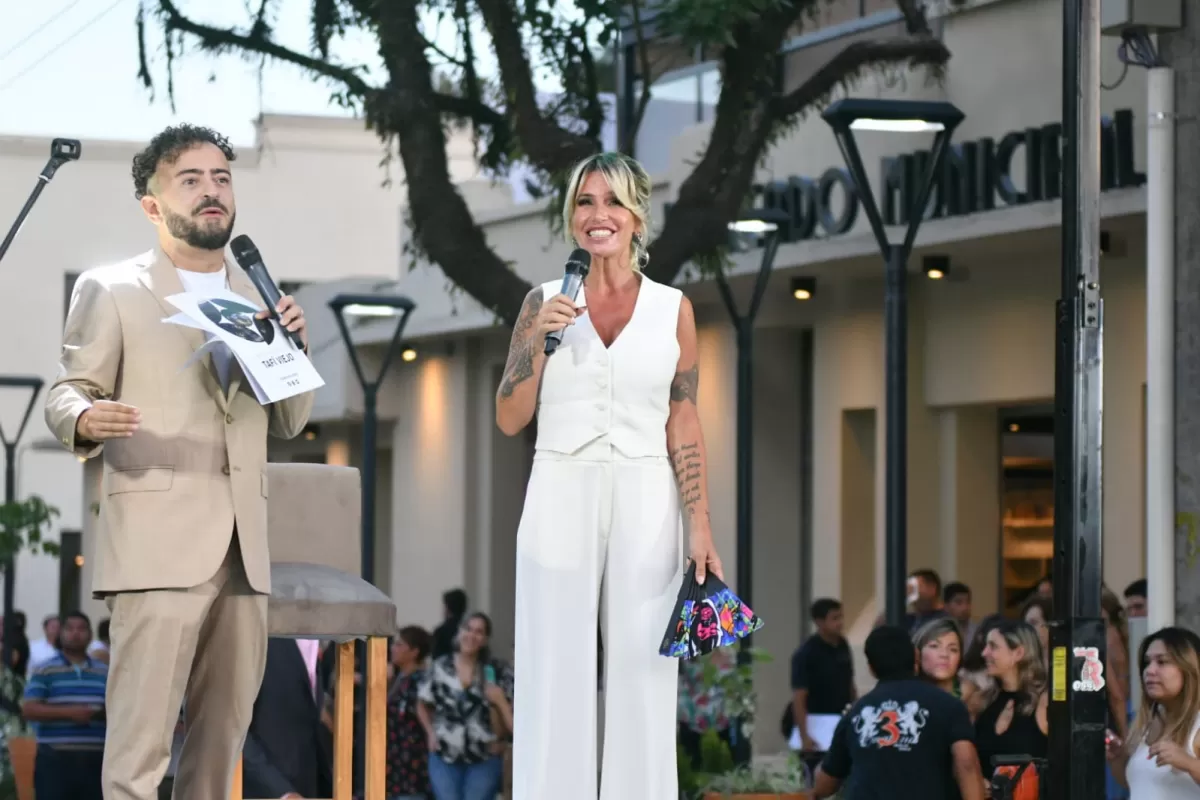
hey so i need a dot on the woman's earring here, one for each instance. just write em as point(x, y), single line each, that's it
point(639, 251)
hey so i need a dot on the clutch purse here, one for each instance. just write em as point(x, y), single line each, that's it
point(706, 617)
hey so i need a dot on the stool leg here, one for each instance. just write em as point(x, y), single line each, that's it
point(376, 744)
point(236, 792)
point(343, 723)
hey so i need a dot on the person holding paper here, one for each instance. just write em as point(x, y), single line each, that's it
point(181, 557)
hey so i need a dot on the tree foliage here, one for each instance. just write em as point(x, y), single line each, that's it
point(421, 88)
point(23, 526)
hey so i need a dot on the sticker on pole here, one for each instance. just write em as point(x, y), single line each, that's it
point(1091, 676)
point(1058, 675)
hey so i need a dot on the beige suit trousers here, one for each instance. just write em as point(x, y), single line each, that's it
point(208, 643)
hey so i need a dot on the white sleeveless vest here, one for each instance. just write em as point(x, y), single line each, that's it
point(623, 392)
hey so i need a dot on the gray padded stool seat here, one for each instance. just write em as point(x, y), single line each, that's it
point(317, 592)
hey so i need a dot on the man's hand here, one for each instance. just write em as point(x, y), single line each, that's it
point(291, 317)
point(107, 420)
point(291, 795)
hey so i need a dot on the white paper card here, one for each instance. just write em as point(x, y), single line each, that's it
point(820, 729)
point(201, 351)
point(274, 368)
point(185, 321)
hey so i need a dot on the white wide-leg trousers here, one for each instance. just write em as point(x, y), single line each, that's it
point(600, 538)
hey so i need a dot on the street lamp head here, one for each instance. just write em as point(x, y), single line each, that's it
point(895, 116)
point(758, 221)
point(21, 382)
point(371, 305)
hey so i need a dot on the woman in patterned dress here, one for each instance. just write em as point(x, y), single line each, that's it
point(466, 711)
point(407, 750)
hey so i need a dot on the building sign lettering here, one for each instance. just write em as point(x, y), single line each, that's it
point(975, 176)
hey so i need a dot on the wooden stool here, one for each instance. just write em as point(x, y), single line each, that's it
point(313, 513)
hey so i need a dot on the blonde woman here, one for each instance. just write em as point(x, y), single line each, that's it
point(1160, 761)
point(619, 459)
point(1013, 720)
point(939, 654)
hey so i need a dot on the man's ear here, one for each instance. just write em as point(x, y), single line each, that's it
point(152, 208)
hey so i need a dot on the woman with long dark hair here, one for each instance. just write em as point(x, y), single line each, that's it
point(1160, 761)
point(466, 711)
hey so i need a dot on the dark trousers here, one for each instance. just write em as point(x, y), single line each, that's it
point(60, 774)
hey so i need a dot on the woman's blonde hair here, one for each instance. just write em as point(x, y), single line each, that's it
point(1183, 648)
point(1031, 670)
point(629, 182)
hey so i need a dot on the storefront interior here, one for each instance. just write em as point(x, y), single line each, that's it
point(1027, 501)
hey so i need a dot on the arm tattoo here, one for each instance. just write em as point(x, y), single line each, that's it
point(685, 385)
point(520, 353)
point(686, 460)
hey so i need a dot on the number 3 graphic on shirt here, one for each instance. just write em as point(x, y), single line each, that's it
point(887, 725)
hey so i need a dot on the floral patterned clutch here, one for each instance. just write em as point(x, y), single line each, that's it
point(705, 618)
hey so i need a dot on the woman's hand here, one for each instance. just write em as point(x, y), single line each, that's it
point(494, 694)
point(1113, 746)
point(1168, 754)
point(431, 741)
point(556, 314)
point(704, 555)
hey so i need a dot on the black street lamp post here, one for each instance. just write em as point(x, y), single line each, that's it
point(755, 223)
point(33, 385)
point(383, 306)
point(907, 116)
point(362, 306)
point(1078, 711)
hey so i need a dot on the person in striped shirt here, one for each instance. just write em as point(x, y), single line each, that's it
point(64, 701)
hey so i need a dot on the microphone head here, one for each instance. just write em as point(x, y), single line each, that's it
point(244, 251)
point(579, 261)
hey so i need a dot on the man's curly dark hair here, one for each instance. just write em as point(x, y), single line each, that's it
point(166, 147)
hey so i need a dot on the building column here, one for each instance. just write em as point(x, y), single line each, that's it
point(428, 401)
point(1181, 50)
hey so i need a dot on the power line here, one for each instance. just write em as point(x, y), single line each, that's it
point(58, 14)
point(58, 48)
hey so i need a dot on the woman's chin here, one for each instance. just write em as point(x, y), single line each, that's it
point(602, 249)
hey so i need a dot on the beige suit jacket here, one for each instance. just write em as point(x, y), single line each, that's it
point(174, 491)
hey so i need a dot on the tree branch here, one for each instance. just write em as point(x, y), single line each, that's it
point(643, 49)
point(547, 145)
point(221, 40)
point(746, 118)
point(851, 62)
point(442, 222)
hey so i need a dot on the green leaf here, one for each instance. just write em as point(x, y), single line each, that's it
point(23, 526)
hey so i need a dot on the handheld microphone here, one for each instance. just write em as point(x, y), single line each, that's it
point(248, 258)
point(578, 264)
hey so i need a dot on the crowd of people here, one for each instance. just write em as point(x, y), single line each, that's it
point(991, 679)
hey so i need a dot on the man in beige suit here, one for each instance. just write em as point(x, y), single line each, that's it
point(181, 554)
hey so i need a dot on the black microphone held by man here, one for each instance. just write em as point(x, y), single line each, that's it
point(250, 259)
point(578, 265)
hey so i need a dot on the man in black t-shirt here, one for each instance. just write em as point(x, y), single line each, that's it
point(822, 671)
point(904, 740)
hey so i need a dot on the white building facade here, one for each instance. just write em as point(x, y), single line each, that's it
point(981, 346)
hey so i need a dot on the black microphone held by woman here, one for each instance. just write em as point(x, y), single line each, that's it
point(578, 264)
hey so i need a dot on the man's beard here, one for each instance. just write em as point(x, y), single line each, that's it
point(199, 235)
